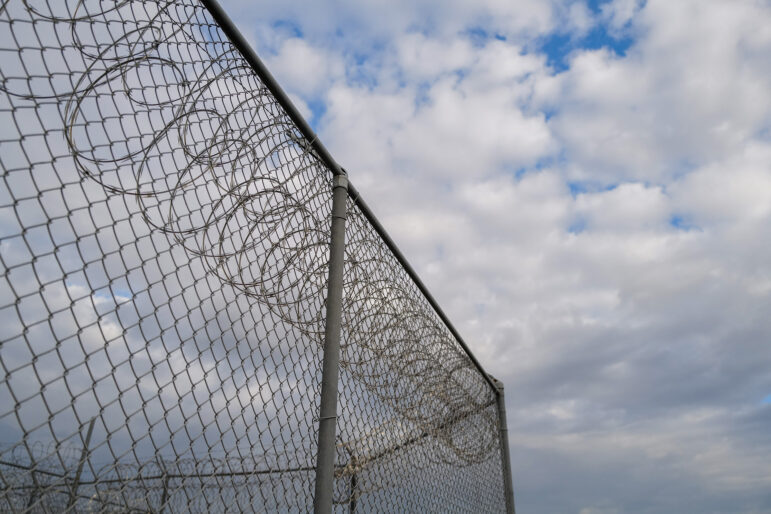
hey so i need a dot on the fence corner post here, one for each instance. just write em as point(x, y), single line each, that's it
point(325, 462)
point(508, 487)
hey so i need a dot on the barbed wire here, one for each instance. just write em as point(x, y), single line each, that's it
point(165, 229)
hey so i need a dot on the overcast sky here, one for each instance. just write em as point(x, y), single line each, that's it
point(586, 187)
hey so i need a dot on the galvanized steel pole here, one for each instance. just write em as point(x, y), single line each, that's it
point(248, 53)
point(508, 487)
point(325, 463)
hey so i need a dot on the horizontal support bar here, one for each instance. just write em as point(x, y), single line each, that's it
point(261, 70)
point(359, 201)
point(248, 53)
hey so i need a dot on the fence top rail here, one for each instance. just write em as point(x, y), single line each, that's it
point(251, 57)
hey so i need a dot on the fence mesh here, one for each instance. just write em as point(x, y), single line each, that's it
point(164, 243)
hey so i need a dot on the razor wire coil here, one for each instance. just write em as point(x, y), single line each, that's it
point(164, 242)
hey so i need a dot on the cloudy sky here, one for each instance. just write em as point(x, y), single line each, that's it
point(586, 187)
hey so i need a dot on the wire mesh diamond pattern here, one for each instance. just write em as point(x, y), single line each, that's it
point(164, 243)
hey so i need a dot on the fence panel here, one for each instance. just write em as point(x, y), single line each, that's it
point(418, 428)
point(164, 243)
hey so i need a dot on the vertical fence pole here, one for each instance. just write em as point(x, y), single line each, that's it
point(508, 487)
point(165, 492)
point(35, 486)
point(325, 463)
point(83, 458)
point(354, 483)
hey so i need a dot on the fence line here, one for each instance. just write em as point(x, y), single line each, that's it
point(179, 283)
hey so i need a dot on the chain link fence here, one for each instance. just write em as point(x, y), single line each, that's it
point(165, 228)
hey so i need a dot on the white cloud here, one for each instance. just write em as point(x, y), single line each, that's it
point(421, 58)
point(626, 321)
point(470, 121)
point(627, 314)
point(619, 13)
point(303, 69)
point(381, 20)
point(690, 91)
point(629, 207)
point(736, 190)
point(578, 19)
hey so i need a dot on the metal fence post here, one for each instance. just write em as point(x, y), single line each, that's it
point(354, 483)
point(35, 486)
point(83, 458)
point(325, 463)
point(508, 487)
point(165, 492)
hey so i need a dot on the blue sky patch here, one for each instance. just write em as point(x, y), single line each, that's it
point(479, 36)
point(576, 188)
point(577, 226)
point(559, 45)
point(600, 38)
point(548, 113)
point(596, 5)
point(288, 26)
point(580, 187)
point(318, 108)
point(681, 222)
